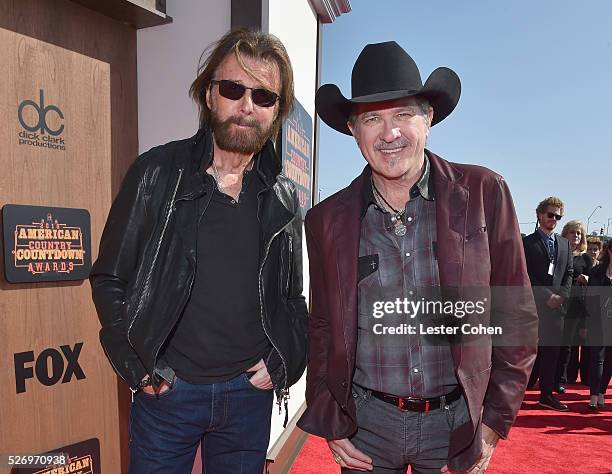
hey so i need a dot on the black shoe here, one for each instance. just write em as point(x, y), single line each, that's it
point(560, 388)
point(593, 408)
point(550, 402)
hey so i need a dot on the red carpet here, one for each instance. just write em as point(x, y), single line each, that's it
point(541, 441)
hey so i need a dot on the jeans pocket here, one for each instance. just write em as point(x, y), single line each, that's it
point(253, 387)
point(360, 396)
point(450, 415)
point(457, 413)
point(159, 396)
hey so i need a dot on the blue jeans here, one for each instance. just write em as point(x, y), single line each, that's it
point(231, 419)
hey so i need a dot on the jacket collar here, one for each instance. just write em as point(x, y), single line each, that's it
point(424, 186)
point(440, 173)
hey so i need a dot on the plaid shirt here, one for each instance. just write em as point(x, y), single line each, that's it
point(392, 267)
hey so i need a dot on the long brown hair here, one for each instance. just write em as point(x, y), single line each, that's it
point(252, 44)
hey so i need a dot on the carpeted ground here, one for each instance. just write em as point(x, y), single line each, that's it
point(541, 441)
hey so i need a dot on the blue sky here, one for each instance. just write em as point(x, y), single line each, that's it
point(536, 102)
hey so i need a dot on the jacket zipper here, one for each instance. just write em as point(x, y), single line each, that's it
point(191, 281)
point(156, 254)
point(283, 392)
point(290, 263)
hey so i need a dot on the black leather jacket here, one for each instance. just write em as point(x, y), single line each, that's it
point(145, 269)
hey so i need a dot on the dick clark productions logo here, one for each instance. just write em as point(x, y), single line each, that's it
point(34, 118)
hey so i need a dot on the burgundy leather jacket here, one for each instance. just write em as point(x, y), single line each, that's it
point(479, 246)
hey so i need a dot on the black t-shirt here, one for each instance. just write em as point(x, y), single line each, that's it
point(220, 333)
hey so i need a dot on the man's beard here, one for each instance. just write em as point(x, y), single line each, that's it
point(246, 141)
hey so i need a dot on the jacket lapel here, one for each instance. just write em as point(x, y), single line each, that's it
point(346, 230)
point(560, 263)
point(451, 217)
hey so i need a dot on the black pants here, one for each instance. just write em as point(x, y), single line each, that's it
point(600, 370)
point(545, 368)
point(585, 364)
point(550, 327)
point(567, 366)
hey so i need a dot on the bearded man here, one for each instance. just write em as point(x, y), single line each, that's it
point(198, 282)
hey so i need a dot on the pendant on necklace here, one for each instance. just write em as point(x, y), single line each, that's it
point(400, 229)
point(398, 224)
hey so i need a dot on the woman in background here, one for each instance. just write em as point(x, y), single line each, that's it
point(575, 232)
point(599, 328)
point(594, 246)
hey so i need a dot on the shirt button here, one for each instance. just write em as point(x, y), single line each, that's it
point(415, 370)
point(233, 201)
point(407, 254)
point(409, 219)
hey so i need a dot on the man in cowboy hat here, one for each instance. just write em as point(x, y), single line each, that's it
point(388, 387)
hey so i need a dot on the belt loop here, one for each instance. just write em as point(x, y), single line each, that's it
point(443, 402)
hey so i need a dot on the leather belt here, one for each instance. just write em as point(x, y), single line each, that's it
point(418, 404)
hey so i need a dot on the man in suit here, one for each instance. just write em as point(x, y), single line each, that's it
point(410, 227)
point(550, 267)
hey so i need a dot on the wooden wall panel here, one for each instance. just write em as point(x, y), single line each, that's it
point(86, 65)
point(74, 27)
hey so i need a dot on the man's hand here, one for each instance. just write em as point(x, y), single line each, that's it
point(555, 301)
point(149, 390)
point(489, 441)
point(347, 455)
point(261, 378)
point(582, 279)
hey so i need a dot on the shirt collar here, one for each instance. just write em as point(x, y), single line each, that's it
point(545, 236)
point(424, 187)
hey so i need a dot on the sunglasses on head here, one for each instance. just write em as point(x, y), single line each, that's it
point(552, 214)
point(234, 91)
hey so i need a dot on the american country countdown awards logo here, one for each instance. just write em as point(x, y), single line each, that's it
point(48, 246)
point(46, 243)
point(42, 124)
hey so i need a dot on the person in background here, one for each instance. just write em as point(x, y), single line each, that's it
point(550, 267)
point(575, 233)
point(594, 247)
point(599, 328)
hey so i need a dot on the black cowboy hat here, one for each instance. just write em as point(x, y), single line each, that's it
point(384, 71)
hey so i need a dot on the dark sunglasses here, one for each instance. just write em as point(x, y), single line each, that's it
point(234, 91)
point(552, 214)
